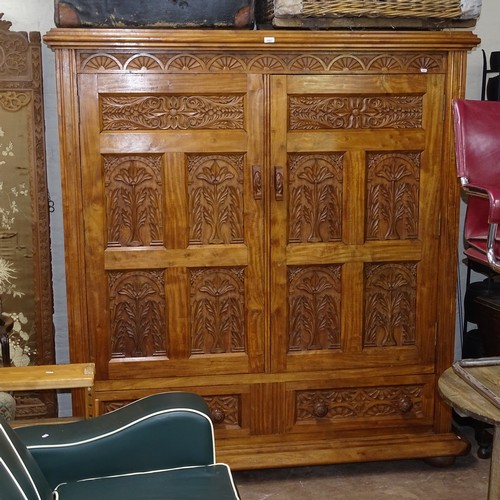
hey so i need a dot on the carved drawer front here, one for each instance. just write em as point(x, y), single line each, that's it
point(399, 403)
point(227, 405)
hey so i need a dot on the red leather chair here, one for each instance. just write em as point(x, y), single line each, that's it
point(477, 144)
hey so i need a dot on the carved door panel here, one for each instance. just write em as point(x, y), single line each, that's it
point(172, 173)
point(355, 218)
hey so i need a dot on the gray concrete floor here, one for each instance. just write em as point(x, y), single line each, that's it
point(466, 479)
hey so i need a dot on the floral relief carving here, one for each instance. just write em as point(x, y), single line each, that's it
point(217, 311)
point(315, 205)
point(314, 303)
point(347, 112)
point(363, 402)
point(393, 187)
point(225, 410)
point(14, 62)
point(390, 304)
point(215, 191)
point(137, 314)
point(134, 200)
point(172, 112)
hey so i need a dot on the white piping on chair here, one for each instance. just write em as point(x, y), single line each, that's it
point(158, 471)
point(14, 480)
point(130, 424)
point(22, 463)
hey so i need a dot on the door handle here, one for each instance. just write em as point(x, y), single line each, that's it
point(278, 183)
point(257, 182)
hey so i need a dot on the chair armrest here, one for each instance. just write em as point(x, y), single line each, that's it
point(493, 195)
point(157, 432)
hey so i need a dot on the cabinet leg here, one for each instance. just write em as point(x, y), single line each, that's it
point(484, 441)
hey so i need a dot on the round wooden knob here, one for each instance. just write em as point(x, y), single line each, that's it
point(218, 415)
point(404, 404)
point(320, 410)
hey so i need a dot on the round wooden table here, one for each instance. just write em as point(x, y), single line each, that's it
point(469, 401)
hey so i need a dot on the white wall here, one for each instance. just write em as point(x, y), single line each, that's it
point(37, 15)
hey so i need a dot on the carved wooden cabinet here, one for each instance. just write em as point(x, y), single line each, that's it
point(267, 218)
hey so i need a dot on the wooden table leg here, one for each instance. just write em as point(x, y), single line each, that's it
point(494, 484)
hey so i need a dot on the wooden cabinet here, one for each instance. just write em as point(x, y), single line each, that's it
point(267, 218)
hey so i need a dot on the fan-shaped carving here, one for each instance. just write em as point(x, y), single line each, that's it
point(101, 62)
point(426, 63)
point(346, 63)
point(143, 62)
point(307, 63)
point(267, 63)
point(385, 63)
point(184, 63)
point(225, 63)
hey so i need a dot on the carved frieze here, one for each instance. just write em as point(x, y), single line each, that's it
point(315, 205)
point(348, 112)
point(137, 314)
point(363, 402)
point(393, 188)
point(172, 112)
point(134, 200)
point(215, 191)
point(217, 301)
point(258, 62)
point(314, 308)
point(390, 304)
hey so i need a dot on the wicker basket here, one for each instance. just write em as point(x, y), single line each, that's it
point(429, 9)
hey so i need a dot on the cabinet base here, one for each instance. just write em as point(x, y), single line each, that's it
point(260, 453)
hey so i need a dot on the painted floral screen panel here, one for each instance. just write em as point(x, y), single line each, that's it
point(25, 265)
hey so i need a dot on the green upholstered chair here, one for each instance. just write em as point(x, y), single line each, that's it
point(159, 447)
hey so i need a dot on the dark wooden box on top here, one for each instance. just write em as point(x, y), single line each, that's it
point(154, 13)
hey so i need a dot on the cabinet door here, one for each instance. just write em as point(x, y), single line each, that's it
point(173, 223)
point(355, 220)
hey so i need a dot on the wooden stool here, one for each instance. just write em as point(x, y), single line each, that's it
point(471, 401)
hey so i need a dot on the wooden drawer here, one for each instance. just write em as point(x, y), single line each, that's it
point(228, 404)
point(396, 402)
